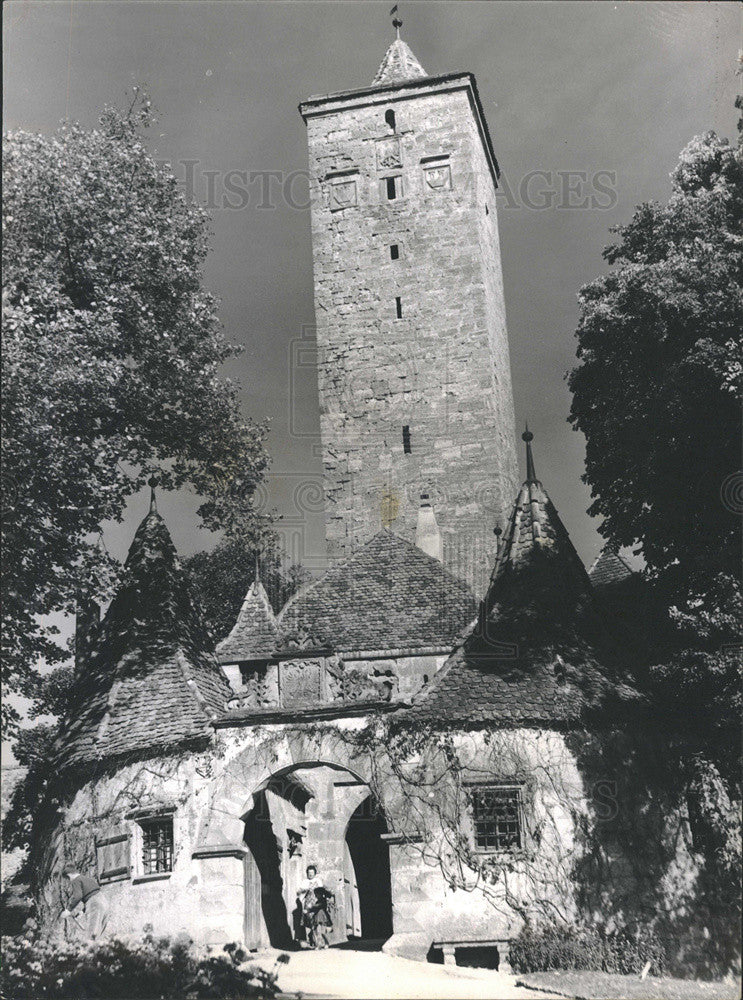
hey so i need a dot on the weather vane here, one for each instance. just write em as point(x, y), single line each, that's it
point(396, 20)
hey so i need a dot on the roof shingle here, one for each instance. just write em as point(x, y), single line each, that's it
point(151, 682)
point(533, 654)
point(388, 595)
point(255, 632)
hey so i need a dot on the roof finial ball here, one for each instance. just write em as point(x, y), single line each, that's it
point(152, 482)
point(396, 20)
point(531, 476)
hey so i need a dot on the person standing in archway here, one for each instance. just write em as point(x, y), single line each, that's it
point(316, 901)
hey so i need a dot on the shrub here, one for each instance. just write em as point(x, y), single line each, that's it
point(151, 969)
point(565, 946)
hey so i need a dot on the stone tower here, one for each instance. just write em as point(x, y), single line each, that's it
point(413, 368)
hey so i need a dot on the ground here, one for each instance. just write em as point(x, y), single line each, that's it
point(358, 975)
point(606, 986)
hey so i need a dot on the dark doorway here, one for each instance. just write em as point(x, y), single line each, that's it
point(371, 861)
point(261, 840)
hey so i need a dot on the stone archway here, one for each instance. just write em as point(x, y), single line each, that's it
point(321, 814)
point(253, 761)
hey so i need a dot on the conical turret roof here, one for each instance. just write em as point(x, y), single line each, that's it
point(255, 633)
point(399, 64)
point(533, 654)
point(151, 682)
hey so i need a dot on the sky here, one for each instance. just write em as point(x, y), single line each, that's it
point(610, 90)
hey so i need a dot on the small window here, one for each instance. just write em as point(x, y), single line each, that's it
point(406, 440)
point(496, 813)
point(394, 251)
point(487, 210)
point(389, 117)
point(398, 307)
point(157, 845)
point(391, 183)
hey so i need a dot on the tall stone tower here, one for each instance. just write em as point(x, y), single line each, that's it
point(413, 367)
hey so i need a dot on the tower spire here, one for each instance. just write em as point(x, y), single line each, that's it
point(531, 476)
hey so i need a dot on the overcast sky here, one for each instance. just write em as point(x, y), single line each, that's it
point(617, 87)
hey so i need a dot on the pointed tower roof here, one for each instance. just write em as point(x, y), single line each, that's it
point(399, 64)
point(255, 632)
point(609, 568)
point(151, 682)
point(532, 656)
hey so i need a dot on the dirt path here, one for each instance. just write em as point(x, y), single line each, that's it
point(372, 975)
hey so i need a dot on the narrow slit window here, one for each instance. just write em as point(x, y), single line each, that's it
point(389, 117)
point(487, 210)
point(394, 251)
point(406, 440)
point(398, 307)
point(391, 188)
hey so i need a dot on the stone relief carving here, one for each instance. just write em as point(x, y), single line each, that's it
point(438, 177)
point(343, 194)
point(388, 153)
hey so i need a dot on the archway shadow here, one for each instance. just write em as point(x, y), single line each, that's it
point(370, 857)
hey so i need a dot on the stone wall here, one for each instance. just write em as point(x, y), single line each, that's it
point(596, 840)
point(441, 369)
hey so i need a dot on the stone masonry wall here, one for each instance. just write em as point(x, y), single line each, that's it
point(572, 857)
point(442, 368)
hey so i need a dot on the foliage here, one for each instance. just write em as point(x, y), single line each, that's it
point(222, 577)
point(33, 750)
point(155, 967)
point(566, 946)
point(112, 356)
point(657, 395)
point(656, 392)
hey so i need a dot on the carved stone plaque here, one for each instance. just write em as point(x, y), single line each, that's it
point(343, 194)
point(388, 153)
point(301, 682)
point(438, 177)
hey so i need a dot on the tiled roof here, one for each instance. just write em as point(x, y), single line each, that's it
point(388, 595)
point(399, 64)
point(151, 682)
point(533, 655)
point(609, 568)
point(255, 632)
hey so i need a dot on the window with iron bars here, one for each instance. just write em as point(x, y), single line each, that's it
point(496, 814)
point(157, 846)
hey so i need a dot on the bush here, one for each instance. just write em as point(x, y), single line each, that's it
point(150, 969)
point(565, 946)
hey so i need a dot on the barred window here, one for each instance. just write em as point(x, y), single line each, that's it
point(496, 813)
point(157, 846)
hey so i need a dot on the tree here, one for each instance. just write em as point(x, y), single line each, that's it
point(657, 390)
point(112, 356)
point(222, 577)
point(657, 395)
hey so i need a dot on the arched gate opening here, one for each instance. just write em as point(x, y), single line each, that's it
point(323, 815)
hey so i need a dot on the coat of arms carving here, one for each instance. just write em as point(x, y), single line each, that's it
point(342, 194)
point(388, 153)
